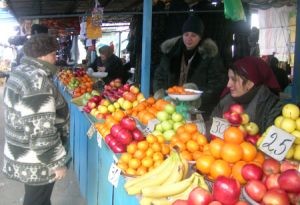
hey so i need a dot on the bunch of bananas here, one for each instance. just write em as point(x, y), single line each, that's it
point(166, 183)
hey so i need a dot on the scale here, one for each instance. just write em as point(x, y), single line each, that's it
point(184, 106)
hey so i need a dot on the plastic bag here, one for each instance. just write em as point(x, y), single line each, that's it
point(233, 9)
point(92, 32)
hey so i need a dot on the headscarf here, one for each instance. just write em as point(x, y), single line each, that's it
point(257, 71)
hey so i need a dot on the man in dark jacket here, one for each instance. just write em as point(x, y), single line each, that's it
point(189, 59)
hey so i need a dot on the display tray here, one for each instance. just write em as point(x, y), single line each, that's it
point(194, 95)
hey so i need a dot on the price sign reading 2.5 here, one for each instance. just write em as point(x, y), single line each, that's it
point(277, 143)
point(218, 127)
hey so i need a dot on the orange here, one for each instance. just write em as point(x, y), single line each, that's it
point(181, 146)
point(160, 139)
point(215, 147)
point(237, 171)
point(156, 147)
point(200, 138)
point(184, 137)
point(174, 139)
point(233, 135)
point(118, 115)
point(186, 155)
point(196, 155)
point(150, 100)
point(220, 168)
point(180, 130)
point(249, 151)
point(157, 163)
point(139, 154)
point(143, 145)
point(131, 171)
point(165, 149)
point(123, 166)
point(190, 128)
point(231, 152)
point(192, 146)
point(141, 171)
point(259, 158)
point(131, 148)
point(125, 157)
point(134, 163)
point(204, 162)
point(158, 156)
point(147, 162)
point(151, 139)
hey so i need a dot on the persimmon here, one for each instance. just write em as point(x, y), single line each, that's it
point(233, 135)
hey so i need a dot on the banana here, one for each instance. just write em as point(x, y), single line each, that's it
point(185, 194)
point(166, 190)
point(160, 201)
point(185, 165)
point(146, 201)
point(153, 180)
point(176, 175)
point(203, 183)
point(152, 174)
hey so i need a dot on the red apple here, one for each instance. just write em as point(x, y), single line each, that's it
point(252, 138)
point(199, 196)
point(86, 109)
point(289, 181)
point(226, 115)
point(241, 203)
point(226, 190)
point(235, 118)
point(286, 165)
point(137, 135)
point(236, 108)
point(215, 203)
point(272, 181)
point(108, 138)
point(124, 137)
point(126, 86)
point(255, 189)
point(251, 172)
point(276, 197)
point(128, 123)
point(129, 96)
point(115, 129)
point(91, 105)
point(118, 147)
point(270, 166)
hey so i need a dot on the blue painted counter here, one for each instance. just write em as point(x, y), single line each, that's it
point(92, 163)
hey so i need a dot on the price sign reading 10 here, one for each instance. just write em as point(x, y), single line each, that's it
point(277, 143)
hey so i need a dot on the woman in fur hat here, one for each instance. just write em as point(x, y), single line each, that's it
point(190, 59)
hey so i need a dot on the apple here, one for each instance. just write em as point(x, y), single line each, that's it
point(235, 118)
point(86, 109)
point(226, 190)
point(296, 133)
point(134, 89)
point(199, 196)
point(298, 123)
point(170, 108)
point(124, 137)
point(162, 116)
point(255, 189)
point(99, 116)
point(158, 127)
point(176, 125)
point(156, 133)
point(253, 139)
point(290, 153)
point(177, 117)
point(102, 109)
point(289, 181)
point(128, 123)
point(276, 197)
point(140, 97)
point(137, 135)
point(129, 96)
point(126, 105)
point(180, 202)
point(245, 118)
point(294, 198)
point(297, 152)
point(118, 148)
point(226, 115)
point(237, 108)
point(251, 128)
point(126, 86)
point(117, 105)
point(166, 125)
point(271, 181)
point(111, 108)
point(215, 203)
point(121, 101)
point(288, 125)
point(290, 111)
point(271, 166)
point(168, 134)
point(286, 165)
point(252, 172)
point(278, 120)
point(104, 102)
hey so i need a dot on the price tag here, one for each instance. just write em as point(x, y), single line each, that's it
point(114, 174)
point(152, 123)
point(91, 131)
point(277, 143)
point(219, 126)
point(99, 139)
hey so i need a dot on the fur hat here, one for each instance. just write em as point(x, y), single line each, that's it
point(193, 24)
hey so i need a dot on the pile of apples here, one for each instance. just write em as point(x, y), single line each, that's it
point(122, 134)
point(237, 116)
point(79, 72)
point(169, 121)
point(273, 183)
point(84, 99)
point(115, 89)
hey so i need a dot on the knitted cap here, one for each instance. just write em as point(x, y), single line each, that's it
point(193, 24)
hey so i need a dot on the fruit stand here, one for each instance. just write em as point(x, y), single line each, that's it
point(128, 149)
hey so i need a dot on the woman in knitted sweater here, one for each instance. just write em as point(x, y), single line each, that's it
point(36, 122)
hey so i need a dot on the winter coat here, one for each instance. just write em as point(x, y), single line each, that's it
point(36, 118)
point(206, 70)
point(263, 108)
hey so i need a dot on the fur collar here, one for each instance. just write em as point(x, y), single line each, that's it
point(208, 48)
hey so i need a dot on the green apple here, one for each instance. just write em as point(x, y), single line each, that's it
point(245, 118)
point(177, 117)
point(296, 133)
point(170, 108)
point(169, 134)
point(290, 111)
point(298, 123)
point(159, 127)
point(288, 125)
point(166, 125)
point(176, 125)
point(162, 116)
point(251, 128)
point(278, 120)
point(156, 133)
point(297, 152)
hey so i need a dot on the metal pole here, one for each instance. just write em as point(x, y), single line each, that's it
point(146, 48)
point(296, 74)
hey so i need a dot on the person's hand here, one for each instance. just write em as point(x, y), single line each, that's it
point(101, 69)
point(60, 173)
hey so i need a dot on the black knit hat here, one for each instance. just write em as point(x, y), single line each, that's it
point(193, 24)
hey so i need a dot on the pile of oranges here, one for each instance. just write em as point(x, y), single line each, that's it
point(147, 109)
point(179, 90)
point(65, 76)
point(189, 141)
point(227, 156)
point(143, 156)
point(86, 85)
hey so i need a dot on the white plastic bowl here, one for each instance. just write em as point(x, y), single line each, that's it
point(187, 97)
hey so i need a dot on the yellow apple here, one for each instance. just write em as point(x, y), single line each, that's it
point(288, 125)
point(245, 118)
point(297, 152)
point(121, 101)
point(135, 103)
point(104, 102)
point(102, 109)
point(251, 128)
point(290, 111)
point(140, 97)
point(296, 133)
point(126, 105)
point(111, 108)
point(290, 153)
point(298, 123)
point(117, 105)
point(278, 120)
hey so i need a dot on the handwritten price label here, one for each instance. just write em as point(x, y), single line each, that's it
point(218, 127)
point(99, 139)
point(114, 174)
point(91, 131)
point(277, 143)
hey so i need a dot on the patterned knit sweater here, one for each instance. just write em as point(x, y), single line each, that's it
point(36, 124)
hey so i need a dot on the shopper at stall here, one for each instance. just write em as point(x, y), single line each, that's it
point(36, 122)
point(250, 83)
point(111, 64)
point(190, 59)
